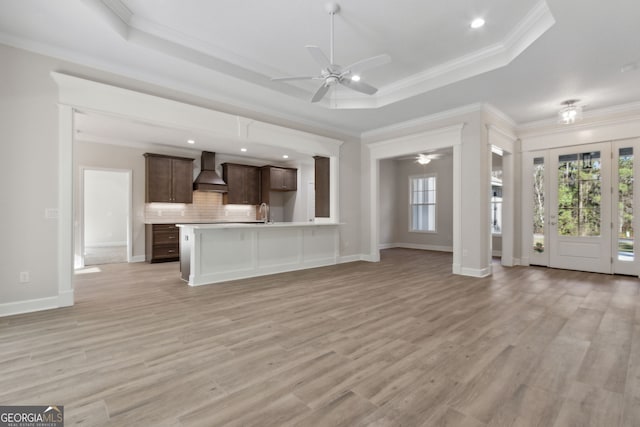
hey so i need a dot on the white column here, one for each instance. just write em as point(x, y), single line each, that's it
point(65, 205)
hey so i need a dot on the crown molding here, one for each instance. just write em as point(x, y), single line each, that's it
point(592, 118)
point(491, 109)
point(511, 137)
point(268, 114)
point(169, 41)
point(538, 21)
point(392, 131)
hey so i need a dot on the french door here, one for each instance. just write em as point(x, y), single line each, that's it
point(579, 208)
point(583, 207)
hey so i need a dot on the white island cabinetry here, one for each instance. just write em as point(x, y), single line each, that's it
point(212, 253)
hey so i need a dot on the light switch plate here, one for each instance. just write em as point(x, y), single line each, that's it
point(51, 213)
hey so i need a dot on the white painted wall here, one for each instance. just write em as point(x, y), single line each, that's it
point(29, 171)
point(351, 211)
point(106, 207)
point(389, 207)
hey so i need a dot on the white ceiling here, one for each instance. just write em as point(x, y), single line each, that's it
point(529, 57)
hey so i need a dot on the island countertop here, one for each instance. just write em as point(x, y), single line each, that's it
point(215, 225)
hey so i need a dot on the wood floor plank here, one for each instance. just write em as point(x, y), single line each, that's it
point(589, 406)
point(402, 342)
point(529, 406)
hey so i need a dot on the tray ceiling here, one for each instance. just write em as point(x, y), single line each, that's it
point(529, 57)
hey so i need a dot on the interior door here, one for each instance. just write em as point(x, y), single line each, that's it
point(580, 226)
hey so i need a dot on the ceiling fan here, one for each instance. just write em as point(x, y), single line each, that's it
point(333, 74)
point(425, 159)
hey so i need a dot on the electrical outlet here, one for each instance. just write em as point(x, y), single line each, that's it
point(24, 277)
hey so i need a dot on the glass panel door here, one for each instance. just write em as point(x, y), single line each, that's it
point(579, 220)
point(624, 222)
point(538, 250)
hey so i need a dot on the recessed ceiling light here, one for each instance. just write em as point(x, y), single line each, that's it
point(477, 23)
point(190, 141)
point(244, 150)
point(355, 78)
point(285, 156)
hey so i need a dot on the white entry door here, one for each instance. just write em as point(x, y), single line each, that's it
point(580, 224)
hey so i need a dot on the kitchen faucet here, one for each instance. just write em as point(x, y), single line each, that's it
point(263, 211)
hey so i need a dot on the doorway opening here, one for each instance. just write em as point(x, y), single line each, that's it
point(105, 228)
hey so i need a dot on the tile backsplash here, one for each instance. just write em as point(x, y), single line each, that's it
point(206, 207)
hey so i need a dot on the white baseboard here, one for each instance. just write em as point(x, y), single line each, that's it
point(371, 258)
point(496, 253)
point(416, 246)
point(350, 258)
point(19, 307)
point(456, 268)
point(105, 244)
point(138, 258)
point(476, 272)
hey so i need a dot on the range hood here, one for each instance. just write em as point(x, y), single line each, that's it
point(209, 180)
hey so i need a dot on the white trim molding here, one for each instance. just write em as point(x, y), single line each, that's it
point(64, 299)
point(437, 248)
point(444, 137)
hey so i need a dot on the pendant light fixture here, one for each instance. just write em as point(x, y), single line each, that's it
point(570, 112)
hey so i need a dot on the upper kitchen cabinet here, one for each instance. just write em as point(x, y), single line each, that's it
point(274, 178)
point(322, 186)
point(243, 182)
point(169, 179)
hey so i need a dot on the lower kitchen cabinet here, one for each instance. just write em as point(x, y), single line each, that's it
point(162, 242)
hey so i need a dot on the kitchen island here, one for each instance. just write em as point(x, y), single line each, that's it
point(213, 253)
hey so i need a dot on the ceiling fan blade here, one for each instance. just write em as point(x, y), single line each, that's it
point(284, 79)
point(366, 64)
point(359, 86)
point(320, 93)
point(319, 56)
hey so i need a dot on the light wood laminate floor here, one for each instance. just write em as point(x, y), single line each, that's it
point(398, 343)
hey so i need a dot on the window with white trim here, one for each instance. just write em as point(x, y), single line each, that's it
point(422, 201)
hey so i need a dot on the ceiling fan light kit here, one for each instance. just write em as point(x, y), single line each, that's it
point(333, 74)
point(570, 112)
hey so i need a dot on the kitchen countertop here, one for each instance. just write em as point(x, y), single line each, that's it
point(219, 225)
point(173, 221)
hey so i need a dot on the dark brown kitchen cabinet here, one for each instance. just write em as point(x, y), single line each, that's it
point(322, 186)
point(277, 178)
point(169, 179)
point(274, 178)
point(243, 182)
point(162, 242)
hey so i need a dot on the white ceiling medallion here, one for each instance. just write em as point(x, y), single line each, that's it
point(174, 42)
